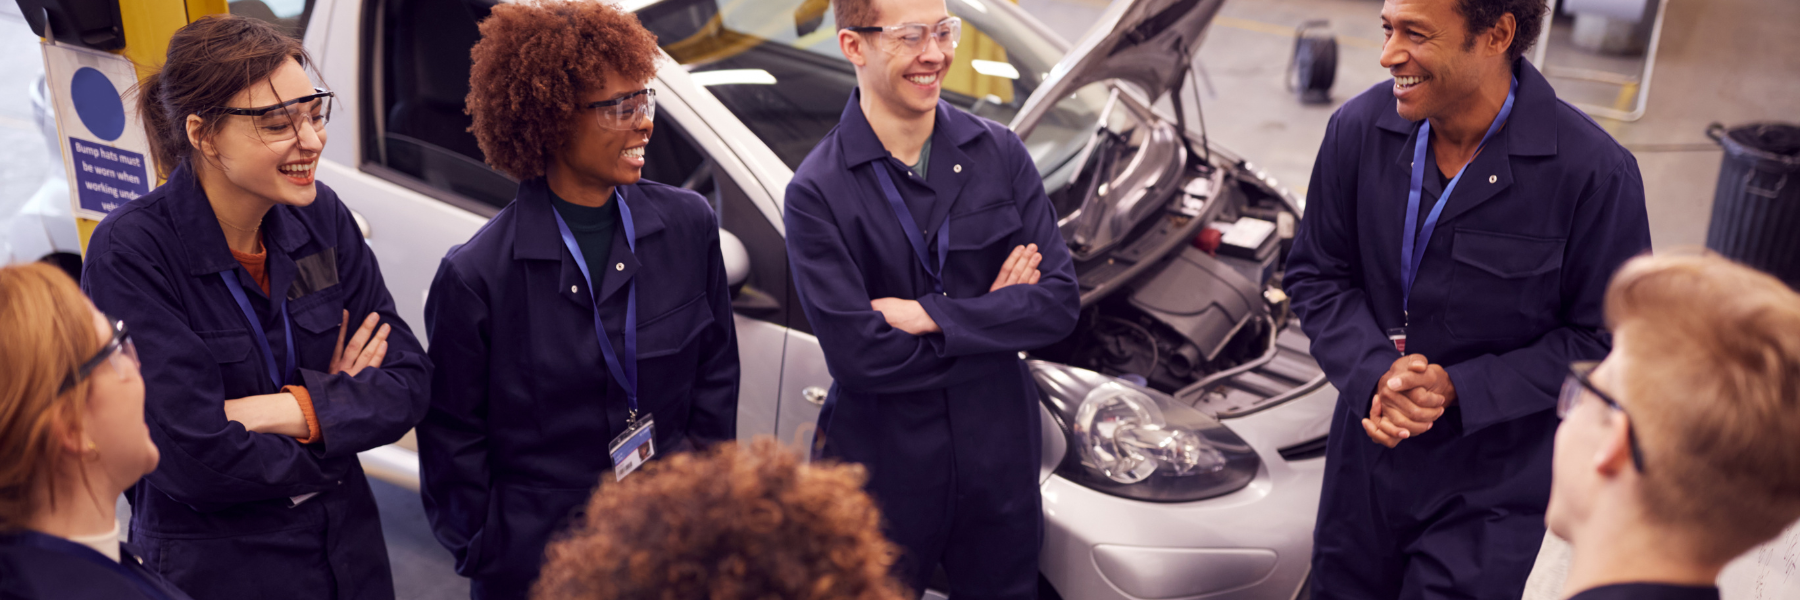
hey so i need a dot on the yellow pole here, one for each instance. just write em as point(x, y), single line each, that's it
point(148, 25)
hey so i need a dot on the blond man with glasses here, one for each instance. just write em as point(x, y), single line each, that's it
point(1675, 454)
point(927, 258)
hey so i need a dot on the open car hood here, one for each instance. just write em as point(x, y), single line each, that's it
point(1145, 42)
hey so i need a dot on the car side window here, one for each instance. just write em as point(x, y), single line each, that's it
point(673, 158)
point(289, 16)
point(421, 134)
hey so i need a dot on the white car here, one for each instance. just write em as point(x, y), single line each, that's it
point(42, 226)
point(1185, 421)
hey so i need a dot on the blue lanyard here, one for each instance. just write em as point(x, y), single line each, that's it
point(52, 543)
point(625, 371)
point(913, 233)
point(279, 378)
point(1411, 256)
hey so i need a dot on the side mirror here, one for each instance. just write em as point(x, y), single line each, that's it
point(737, 261)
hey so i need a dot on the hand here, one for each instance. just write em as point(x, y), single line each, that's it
point(1020, 267)
point(905, 315)
point(364, 350)
point(1412, 395)
point(269, 413)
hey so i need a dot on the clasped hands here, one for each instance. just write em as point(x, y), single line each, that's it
point(909, 316)
point(1409, 398)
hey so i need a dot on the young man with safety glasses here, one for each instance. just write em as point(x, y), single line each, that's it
point(587, 327)
point(927, 258)
point(1675, 454)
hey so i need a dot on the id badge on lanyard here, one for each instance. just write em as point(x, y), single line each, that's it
point(1414, 238)
point(914, 235)
point(638, 443)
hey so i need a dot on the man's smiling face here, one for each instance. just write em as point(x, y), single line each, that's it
point(1428, 51)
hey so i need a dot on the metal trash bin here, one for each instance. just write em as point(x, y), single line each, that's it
point(1756, 210)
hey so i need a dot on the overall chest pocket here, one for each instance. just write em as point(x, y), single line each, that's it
point(669, 358)
point(317, 319)
point(1504, 286)
point(984, 227)
point(672, 331)
point(240, 364)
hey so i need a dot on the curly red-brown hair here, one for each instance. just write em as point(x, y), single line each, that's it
point(533, 61)
point(747, 522)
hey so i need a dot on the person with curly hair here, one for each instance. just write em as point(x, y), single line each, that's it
point(739, 522)
point(587, 327)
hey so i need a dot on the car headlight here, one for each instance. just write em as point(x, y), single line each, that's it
point(1132, 441)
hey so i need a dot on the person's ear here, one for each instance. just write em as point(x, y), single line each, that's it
point(196, 127)
point(1499, 38)
point(852, 44)
point(1612, 457)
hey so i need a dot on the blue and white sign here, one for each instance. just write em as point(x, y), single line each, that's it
point(106, 153)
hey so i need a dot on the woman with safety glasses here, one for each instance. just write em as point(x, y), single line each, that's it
point(239, 278)
point(72, 438)
point(587, 328)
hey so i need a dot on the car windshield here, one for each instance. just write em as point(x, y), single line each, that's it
point(775, 64)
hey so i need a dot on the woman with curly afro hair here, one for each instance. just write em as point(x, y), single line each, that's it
point(746, 523)
point(587, 327)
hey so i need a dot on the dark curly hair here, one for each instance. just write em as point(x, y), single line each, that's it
point(738, 522)
point(533, 61)
point(1483, 14)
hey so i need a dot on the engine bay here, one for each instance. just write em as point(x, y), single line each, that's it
point(1194, 300)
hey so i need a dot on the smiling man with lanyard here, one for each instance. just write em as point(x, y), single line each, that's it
point(927, 257)
point(587, 328)
point(1462, 223)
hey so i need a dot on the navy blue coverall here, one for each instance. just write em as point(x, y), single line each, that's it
point(38, 566)
point(1508, 294)
point(523, 406)
point(217, 516)
point(947, 423)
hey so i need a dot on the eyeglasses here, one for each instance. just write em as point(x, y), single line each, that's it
point(1572, 391)
point(912, 36)
point(621, 113)
point(114, 354)
point(281, 122)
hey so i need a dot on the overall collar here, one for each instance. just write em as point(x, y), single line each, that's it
point(951, 167)
point(535, 237)
point(198, 228)
point(1531, 131)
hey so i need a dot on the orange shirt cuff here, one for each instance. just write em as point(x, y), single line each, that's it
point(306, 408)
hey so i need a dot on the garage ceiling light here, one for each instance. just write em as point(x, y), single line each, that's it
point(995, 68)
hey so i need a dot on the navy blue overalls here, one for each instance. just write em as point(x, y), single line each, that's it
point(947, 423)
point(37, 566)
point(218, 516)
point(1508, 293)
point(523, 406)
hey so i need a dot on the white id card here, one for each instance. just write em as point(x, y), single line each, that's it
point(633, 448)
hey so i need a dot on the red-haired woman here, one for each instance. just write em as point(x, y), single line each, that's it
point(587, 327)
point(72, 438)
point(238, 277)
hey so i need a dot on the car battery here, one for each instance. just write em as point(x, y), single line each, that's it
point(1249, 247)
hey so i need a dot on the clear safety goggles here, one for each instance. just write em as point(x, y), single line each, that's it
point(119, 354)
point(908, 39)
point(626, 112)
point(282, 122)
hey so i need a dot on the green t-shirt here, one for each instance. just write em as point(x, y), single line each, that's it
point(593, 228)
point(924, 164)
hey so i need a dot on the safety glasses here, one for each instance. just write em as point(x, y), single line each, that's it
point(282, 122)
point(626, 112)
point(119, 354)
point(1576, 386)
point(908, 39)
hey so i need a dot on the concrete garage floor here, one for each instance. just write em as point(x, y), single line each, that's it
point(1731, 61)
